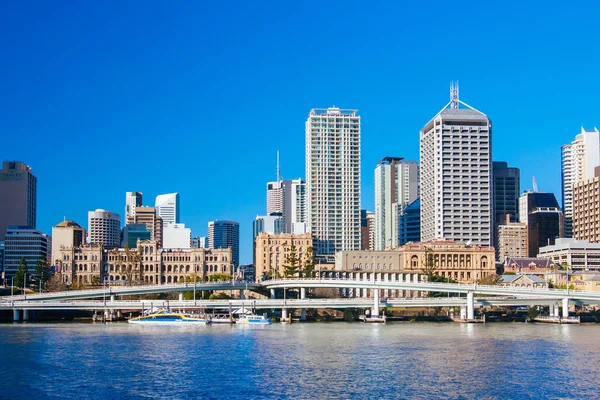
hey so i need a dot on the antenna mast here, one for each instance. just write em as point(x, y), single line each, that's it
point(535, 188)
point(454, 94)
point(278, 170)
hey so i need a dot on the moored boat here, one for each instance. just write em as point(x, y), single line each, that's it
point(165, 317)
point(252, 319)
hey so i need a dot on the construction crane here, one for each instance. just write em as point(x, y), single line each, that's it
point(535, 188)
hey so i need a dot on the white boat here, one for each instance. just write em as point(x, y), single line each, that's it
point(165, 317)
point(252, 319)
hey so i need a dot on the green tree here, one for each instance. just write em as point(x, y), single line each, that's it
point(533, 312)
point(19, 279)
point(308, 267)
point(219, 277)
point(429, 268)
point(41, 272)
point(291, 268)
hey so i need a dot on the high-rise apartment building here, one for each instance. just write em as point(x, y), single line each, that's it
point(586, 209)
point(543, 217)
point(506, 189)
point(27, 243)
point(18, 196)
point(367, 230)
point(579, 158)
point(225, 234)
point(104, 227)
point(148, 216)
point(167, 207)
point(396, 185)
point(132, 200)
point(456, 173)
point(333, 179)
point(66, 234)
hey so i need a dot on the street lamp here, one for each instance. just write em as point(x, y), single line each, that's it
point(24, 286)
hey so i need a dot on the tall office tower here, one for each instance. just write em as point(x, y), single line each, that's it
point(132, 200)
point(367, 230)
point(67, 234)
point(456, 172)
point(409, 223)
point(104, 228)
point(506, 181)
point(28, 243)
point(333, 179)
point(167, 207)
point(149, 217)
point(18, 194)
point(543, 217)
point(396, 185)
point(578, 162)
point(224, 234)
point(586, 209)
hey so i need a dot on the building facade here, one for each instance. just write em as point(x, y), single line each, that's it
point(225, 234)
point(272, 251)
point(148, 264)
point(409, 223)
point(134, 232)
point(333, 179)
point(66, 233)
point(148, 217)
point(396, 185)
point(456, 172)
point(506, 189)
point(167, 207)
point(512, 240)
point(577, 255)
point(104, 227)
point(28, 243)
point(367, 230)
point(579, 158)
point(543, 217)
point(586, 209)
point(298, 210)
point(132, 200)
point(18, 196)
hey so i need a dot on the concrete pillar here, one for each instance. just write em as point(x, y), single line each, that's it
point(272, 293)
point(25, 315)
point(470, 305)
point(303, 311)
point(463, 312)
point(16, 315)
point(284, 315)
point(556, 311)
point(302, 293)
point(242, 295)
point(181, 296)
point(375, 310)
point(112, 298)
point(565, 307)
point(551, 310)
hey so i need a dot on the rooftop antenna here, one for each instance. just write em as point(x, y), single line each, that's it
point(535, 188)
point(454, 94)
point(278, 169)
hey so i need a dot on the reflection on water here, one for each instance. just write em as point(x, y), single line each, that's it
point(408, 360)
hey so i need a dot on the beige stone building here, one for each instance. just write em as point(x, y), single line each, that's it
point(148, 264)
point(512, 240)
point(66, 234)
point(586, 209)
point(272, 250)
point(147, 216)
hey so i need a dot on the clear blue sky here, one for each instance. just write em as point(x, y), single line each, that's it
point(100, 98)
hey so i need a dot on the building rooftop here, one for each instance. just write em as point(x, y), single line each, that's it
point(68, 224)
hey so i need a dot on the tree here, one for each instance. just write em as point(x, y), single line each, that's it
point(429, 268)
point(19, 279)
point(95, 280)
point(41, 272)
point(291, 268)
point(308, 268)
point(130, 263)
point(491, 279)
point(219, 277)
point(55, 284)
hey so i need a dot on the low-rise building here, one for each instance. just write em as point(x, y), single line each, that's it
point(519, 265)
point(577, 255)
point(523, 280)
point(66, 233)
point(512, 240)
point(272, 251)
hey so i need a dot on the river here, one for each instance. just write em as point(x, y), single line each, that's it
point(319, 360)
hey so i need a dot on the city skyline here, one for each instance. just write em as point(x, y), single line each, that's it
point(125, 105)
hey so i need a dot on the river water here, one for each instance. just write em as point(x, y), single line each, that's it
point(324, 360)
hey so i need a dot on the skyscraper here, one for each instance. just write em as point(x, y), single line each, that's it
point(396, 185)
point(333, 179)
point(543, 217)
point(506, 191)
point(28, 243)
point(167, 207)
point(224, 234)
point(456, 165)
point(18, 196)
point(579, 158)
point(104, 228)
point(409, 223)
point(132, 200)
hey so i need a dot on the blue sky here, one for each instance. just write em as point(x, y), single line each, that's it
point(100, 98)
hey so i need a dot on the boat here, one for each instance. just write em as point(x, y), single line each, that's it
point(165, 317)
point(253, 319)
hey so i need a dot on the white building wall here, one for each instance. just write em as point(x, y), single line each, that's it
point(167, 207)
point(176, 236)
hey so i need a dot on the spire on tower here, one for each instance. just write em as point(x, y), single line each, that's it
point(454, 94)
point(278, 170)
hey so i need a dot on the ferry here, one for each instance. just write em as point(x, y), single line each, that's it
point(252, 319)
point(165, 317)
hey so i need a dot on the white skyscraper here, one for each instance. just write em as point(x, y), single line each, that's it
point(132, 200)
point(396, 185)
point(456, 169)
point(333, 179)
point(167, 207)
point(298, 211)
point(104, 228)
point(578, 162)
